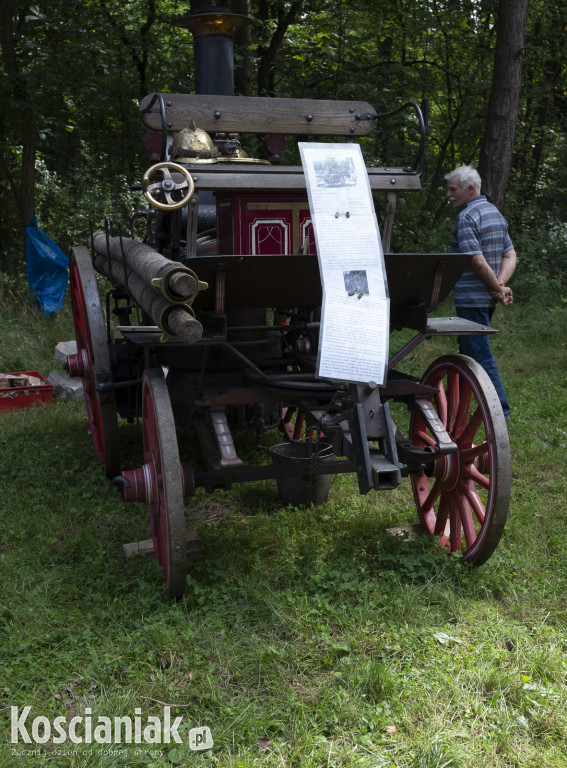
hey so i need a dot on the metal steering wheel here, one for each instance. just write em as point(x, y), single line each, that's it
point(163, 191)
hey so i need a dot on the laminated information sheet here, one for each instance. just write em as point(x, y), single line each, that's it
point(355, 320)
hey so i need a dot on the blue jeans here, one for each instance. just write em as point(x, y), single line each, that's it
point(478, 348)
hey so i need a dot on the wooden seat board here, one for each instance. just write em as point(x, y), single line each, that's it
point(252, 114)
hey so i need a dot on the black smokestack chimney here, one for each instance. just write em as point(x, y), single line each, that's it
point(213, 29)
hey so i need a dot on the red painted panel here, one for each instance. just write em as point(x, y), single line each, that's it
point(266, 224)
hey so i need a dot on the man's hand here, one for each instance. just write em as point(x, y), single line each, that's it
point(504, 295)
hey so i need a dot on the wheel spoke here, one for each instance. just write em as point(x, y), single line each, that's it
point(470, 471)
point(441, 522)
point(441, 402)
point(465, 516)
point(463, 414)
point(468, 455)
point(453, 395)
point(425, 438)
point(432, 497)
point(455, 526)
point(467, 435)
point(426, 505)
point(474, 500)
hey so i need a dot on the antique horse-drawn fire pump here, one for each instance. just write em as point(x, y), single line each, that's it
point(227, 286)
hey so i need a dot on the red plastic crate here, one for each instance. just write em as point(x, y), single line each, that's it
point(15, 398)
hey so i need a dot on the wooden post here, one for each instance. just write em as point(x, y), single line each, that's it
point(388, 221)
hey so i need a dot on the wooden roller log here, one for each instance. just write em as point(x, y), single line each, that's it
point(174, 280)
point(182, 324)
point(174, 319)
point(183, 284)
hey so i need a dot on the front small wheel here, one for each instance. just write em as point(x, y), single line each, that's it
point(463, 498)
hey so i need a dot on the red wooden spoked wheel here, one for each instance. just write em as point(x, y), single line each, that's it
point(463, 498)
point(93, 357)
point(165, 500)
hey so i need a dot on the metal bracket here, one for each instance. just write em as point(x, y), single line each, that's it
point(223, 439)
point(360, 453)
point(425, 410)
point(369, 419)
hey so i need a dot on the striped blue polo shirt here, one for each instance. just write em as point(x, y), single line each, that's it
point(479, 228)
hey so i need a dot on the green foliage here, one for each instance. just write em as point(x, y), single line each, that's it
point(67, 207)
point(542, 268)
point(28, 337)
point(13, 287)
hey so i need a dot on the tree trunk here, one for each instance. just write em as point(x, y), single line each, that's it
point(24, 191)
point(242, 44)
point(498, 145)
point(138, 49)
point(268, 53)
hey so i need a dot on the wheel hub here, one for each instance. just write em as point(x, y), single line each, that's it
point(79, 365)
point(448, 470)
point(141, 484)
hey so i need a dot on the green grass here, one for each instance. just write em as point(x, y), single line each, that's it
point(310, 628)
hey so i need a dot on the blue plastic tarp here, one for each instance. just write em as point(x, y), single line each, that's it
point(47, 269)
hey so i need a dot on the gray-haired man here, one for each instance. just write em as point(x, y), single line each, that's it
point(480, 229)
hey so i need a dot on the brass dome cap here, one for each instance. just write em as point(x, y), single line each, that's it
point(194, 143)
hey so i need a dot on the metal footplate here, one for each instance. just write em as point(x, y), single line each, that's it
point(441, 326)
point(455, 326)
